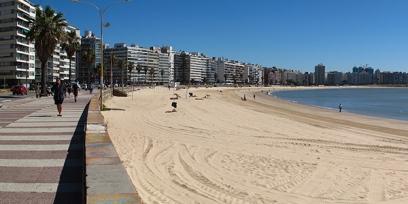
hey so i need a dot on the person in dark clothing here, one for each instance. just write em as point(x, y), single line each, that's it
point(65, 90)
point(90, 88)
point(75, 89)
point(340, 107)
point(69, 89)
point(58, 91)
point(37, 90)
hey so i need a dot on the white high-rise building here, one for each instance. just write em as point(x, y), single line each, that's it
point(229, 71)
point(190, 67)
point(17, 54)
point(252, 73)
point(155, 64)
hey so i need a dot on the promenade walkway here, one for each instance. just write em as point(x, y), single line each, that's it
point(42, 155)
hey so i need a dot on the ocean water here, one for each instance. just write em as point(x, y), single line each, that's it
point(380, 102)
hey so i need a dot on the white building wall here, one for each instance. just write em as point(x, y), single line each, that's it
point(16, 58)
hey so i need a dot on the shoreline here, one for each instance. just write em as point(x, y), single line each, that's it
point(356, 114)
point(319, 113)
point(223, 150)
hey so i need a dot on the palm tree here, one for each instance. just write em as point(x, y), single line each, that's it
point(131, 66)
point(112, 60)
point(151, 73)
point(98, 69)
point(145, 68)
point(47, 30)
point(88, 57)
point(122, 65)
point(71, 45)
point(162, 73)
point(138, 68)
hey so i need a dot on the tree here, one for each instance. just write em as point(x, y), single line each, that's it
point(88, 57)
point(151, 73)
point(131, 66)
point(98, 69)
point(161, 74)
point(71, 45)
point(122, 64)
point(47, 31)
point(145, 68)
point(112, 60)
point(138, 68)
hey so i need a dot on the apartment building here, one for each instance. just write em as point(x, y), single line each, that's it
point(190, 67)
point(17, 54)
point(320, 74)
point(229, 71)
point(252, 74)
point(87, 71)
point(151, 65)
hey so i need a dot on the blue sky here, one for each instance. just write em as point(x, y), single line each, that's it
point(285, 33)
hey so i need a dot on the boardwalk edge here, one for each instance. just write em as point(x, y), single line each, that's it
point(106, 178)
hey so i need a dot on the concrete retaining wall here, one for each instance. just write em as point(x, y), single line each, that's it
point(106, 178)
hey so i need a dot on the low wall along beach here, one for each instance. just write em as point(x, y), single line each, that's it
point(219, 149)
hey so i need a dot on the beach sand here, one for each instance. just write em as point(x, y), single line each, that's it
point(225, 150)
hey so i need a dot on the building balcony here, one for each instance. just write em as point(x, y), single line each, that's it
point(23, 25)
point(23, 42)
point(23, 8)
point(22, 16)
point(22, 59)
point(22, 51)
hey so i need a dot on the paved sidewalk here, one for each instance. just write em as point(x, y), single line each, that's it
point(42, 155)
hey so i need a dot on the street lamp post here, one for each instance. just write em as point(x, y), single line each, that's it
point(101, 12)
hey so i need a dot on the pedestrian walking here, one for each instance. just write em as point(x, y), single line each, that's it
point(65, 90)
point(58, 91)
point(37, 90)
point(254, 96)
point(69, 89)
point(75, 89)
point(340, 107)
point(90, 88)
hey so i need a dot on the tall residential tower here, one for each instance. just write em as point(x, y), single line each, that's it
point(17, 54)
point(320, 72)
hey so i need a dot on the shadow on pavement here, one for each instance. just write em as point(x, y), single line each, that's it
point(71, 187)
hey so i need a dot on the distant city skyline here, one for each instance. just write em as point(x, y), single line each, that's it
point(292, 34)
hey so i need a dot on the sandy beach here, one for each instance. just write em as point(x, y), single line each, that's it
point(224, 150)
